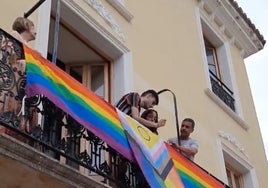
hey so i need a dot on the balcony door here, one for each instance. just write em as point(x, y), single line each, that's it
point(94, 76)
point(80, 59)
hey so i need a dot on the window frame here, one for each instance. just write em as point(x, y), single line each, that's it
point(239, 162)
point(219, 88)
point(232, 181)
point(211, 47)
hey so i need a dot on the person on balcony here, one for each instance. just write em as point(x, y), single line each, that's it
point(132, 103)
point(151, 115)
point(13, 105)
point(188, 146)
point(23, 30)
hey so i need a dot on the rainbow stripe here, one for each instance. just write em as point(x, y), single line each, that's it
point(192, 175)
point(95, 114)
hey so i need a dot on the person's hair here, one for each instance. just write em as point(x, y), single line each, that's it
point(144, 116)
point(191, 121)
point(153, 93)
point(22, 24)
point(149, 111)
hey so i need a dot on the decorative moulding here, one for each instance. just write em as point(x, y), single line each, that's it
point(222, 14)
point(230, 138)
point(106, 15)
point(121, 9)
point(114, 40)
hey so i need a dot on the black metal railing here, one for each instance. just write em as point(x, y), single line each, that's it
point(39, 123)
point(222, 91)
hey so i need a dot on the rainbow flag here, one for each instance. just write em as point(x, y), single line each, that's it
point(95, 114)
point(192, 175)
point(161, 165)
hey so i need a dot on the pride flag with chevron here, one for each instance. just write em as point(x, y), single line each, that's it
point(161, 165)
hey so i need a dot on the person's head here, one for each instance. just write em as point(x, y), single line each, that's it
point(187, 127)
point(149, 99)
point(151, 115)
point(25, 27)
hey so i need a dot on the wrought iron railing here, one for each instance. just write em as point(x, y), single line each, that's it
point(39, 123)
point(222, 91)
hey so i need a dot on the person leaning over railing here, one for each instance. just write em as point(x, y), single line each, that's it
point(188, 146)
point(131, 104)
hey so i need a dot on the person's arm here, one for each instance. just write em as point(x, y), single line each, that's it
point(188, 151)
point(136, 115)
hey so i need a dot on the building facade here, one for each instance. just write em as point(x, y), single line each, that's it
point(195, 48)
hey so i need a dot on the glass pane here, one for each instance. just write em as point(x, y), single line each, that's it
point(210, 56)
point(229, 178)
point(97, 80)
point(237, 181)
point(213, 69)
point(77, 73)
point(211, 60)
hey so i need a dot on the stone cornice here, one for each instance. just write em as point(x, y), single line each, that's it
point(121, 9)
point(229, 22)
point(247, 20)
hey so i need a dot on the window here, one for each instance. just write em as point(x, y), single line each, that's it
point(235, 179)
point(218, 65)
point(98, 74)
point(237, 171)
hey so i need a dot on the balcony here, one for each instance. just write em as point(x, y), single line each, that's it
point(44, 146)
point(222, 91)
point(58, 146)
